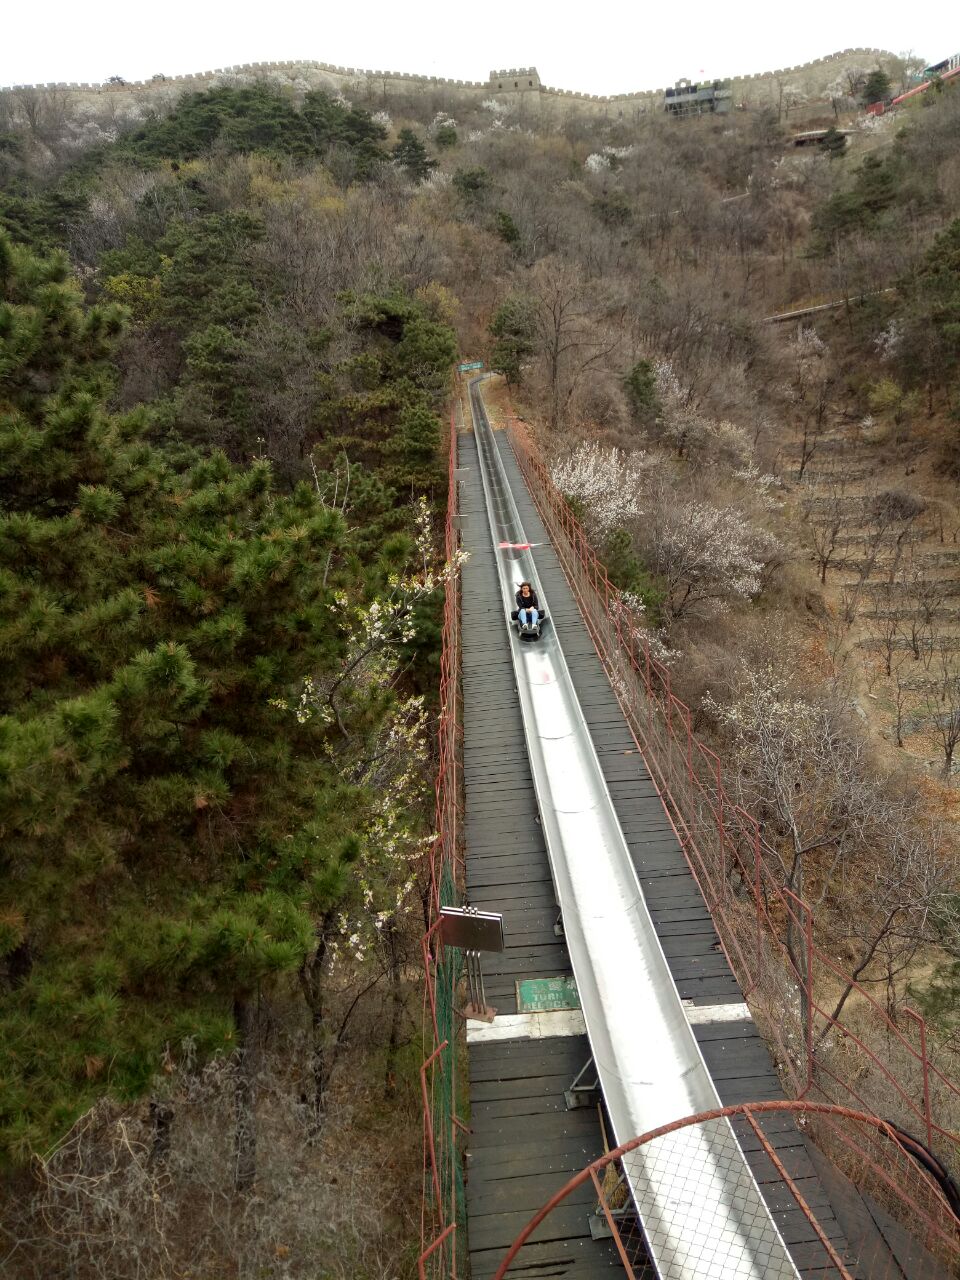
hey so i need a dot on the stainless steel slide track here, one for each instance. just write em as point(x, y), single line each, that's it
point(701, 1209)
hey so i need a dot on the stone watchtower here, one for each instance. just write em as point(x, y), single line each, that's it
point(516, 80)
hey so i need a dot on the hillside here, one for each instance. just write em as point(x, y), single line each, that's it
point(227, 329)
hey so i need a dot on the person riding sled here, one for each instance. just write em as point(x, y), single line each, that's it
point(528, 606)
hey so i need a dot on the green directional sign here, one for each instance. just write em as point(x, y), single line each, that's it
point(475, 364)
point(543, 995)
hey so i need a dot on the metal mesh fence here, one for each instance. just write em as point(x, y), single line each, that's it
point(674, 1179)
point(868, 1061)
point(820, 1249)
point(442, 1238)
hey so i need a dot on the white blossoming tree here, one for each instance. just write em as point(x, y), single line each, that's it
point(605, 484)
point(889, 340)
point(706, 556)
point(384, 788)
point(689, 430)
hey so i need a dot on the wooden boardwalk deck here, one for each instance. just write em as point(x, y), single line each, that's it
point(524, 1144)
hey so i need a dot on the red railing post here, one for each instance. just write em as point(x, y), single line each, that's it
point(439, 1210)
point(721, 821)
point(873, 1147)
point(801, 912)
point(925, 1067)
point(808, 943)
point(440, 1240)
point(758, 900)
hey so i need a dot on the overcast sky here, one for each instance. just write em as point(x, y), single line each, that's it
point(601, 46)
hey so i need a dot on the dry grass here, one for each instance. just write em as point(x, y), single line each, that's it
point(107, 1205)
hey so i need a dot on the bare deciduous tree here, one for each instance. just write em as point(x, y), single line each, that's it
point(942, 707)
point(879, 860)
point(886, 624)
point(828, 517)
point(811, 381)
point(571, 339)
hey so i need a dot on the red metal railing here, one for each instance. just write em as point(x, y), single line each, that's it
point(442, 1211)
point(870, 1144)
point(865, 1060)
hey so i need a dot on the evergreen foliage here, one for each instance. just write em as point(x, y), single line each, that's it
point(875, 189)
point(626, 571)
point(514, 328)
point(833, 142)
point(258, 118)
point(507, 229)
point(613, 208)
point(171, 831)
point(887, 190)
point(471, 184)
point(40, 218)
point(410, 155)
point(641, 387)
point(877, 87)
point(930, 351)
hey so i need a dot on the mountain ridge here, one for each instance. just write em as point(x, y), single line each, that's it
point(311, 74)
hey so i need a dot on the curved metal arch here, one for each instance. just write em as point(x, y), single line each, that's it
point(748, 1110)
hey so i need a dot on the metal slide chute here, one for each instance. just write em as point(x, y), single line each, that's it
point(701, 1210)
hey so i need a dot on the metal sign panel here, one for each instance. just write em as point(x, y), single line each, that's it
point(473, 364)
point(471, 929)
point(543, 995)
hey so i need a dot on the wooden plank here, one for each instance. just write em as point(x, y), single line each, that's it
point(525, 1193)
point(572, 1259)
point(527, 1055)
point(485, 1115)
point(498, 1231)
point(519, 1087)
point(563, 1155)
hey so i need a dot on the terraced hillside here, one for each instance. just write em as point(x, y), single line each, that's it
point(884, 530)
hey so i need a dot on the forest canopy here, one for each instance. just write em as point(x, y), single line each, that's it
point(192, 678)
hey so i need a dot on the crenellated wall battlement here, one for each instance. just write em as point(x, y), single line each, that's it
point(521, 84)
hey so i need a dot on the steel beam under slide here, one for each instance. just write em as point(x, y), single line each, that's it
point(701, 1210)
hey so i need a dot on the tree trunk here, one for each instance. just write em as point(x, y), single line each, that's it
point(245, 1092)
point(396, 1012)
point(311, 984)
point(161, 1124)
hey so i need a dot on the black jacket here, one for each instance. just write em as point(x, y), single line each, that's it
point(528, 602)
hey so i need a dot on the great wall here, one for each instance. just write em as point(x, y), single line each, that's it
point(517, 86)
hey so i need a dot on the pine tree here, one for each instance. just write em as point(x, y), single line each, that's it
point(640, 385)
point(513, 327)
point(411, 155)
point(171, 833)
point(877, 87)
point(930, 351)
point(833, 142)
